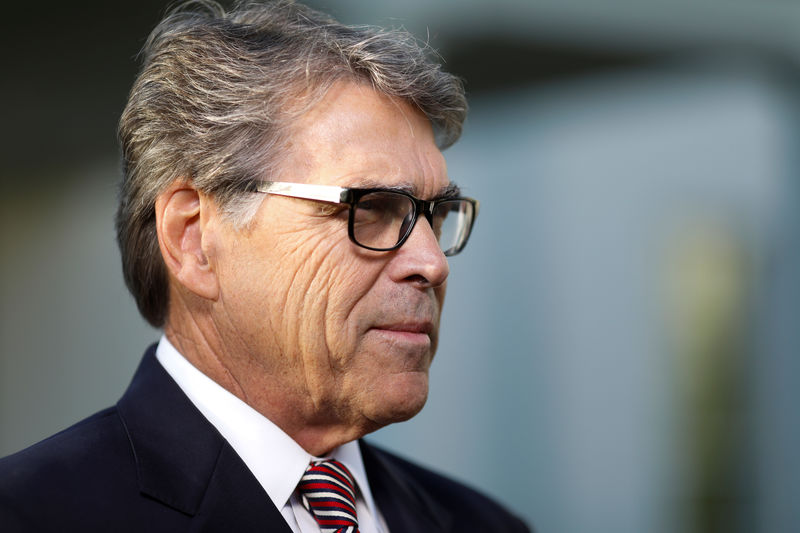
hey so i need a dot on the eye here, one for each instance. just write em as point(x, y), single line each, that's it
point(370, 204)
point(379, 205)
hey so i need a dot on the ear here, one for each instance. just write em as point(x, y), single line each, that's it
point(180, 236)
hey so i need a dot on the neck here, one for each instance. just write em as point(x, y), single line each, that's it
point(315, 428)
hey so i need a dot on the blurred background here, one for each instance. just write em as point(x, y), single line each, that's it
point(620, 342)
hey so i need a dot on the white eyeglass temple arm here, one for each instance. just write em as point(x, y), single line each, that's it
point(324, 193)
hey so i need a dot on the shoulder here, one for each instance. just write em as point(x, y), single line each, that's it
point(67, 471)
point(82, 444)
point(469, 507)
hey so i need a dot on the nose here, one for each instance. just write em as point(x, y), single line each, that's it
point(420, 259)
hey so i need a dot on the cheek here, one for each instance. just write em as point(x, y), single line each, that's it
point(347, 306)
point(322, 296)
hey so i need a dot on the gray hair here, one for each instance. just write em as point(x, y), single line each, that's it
point(214, 99)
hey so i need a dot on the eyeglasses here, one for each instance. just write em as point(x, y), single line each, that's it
point(382, 219)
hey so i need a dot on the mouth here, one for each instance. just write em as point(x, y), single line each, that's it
point(407, 332)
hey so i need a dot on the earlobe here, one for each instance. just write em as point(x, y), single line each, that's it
point(180, 237)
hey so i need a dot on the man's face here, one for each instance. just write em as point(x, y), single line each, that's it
point(337, 334)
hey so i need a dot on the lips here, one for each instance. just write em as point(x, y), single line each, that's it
point(425, 327)
point(413, 335)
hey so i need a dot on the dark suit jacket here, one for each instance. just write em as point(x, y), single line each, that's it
point(154, 463)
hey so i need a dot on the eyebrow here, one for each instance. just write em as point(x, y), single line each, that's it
point(451, 190)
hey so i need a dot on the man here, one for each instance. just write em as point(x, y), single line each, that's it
point(285, 216)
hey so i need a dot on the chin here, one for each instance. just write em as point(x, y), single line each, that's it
point(401, 400)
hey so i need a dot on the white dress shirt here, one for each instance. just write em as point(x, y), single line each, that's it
point(276, 461)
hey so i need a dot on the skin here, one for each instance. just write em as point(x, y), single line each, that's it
point(328, 340)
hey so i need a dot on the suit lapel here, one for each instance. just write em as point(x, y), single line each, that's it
point(185, 463)
point(404, 503)
point(235, 501)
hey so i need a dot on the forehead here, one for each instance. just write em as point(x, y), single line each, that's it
point(358, 137)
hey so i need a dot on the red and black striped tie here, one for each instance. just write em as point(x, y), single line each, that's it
point(328, 492)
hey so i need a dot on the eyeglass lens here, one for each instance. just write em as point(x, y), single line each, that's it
point(382, 219)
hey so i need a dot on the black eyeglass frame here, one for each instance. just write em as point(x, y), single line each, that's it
point(351, 196)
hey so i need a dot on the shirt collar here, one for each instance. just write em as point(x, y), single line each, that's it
point(276, 461)
point(349, 454)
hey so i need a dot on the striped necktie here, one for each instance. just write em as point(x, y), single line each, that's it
point(328, 492)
